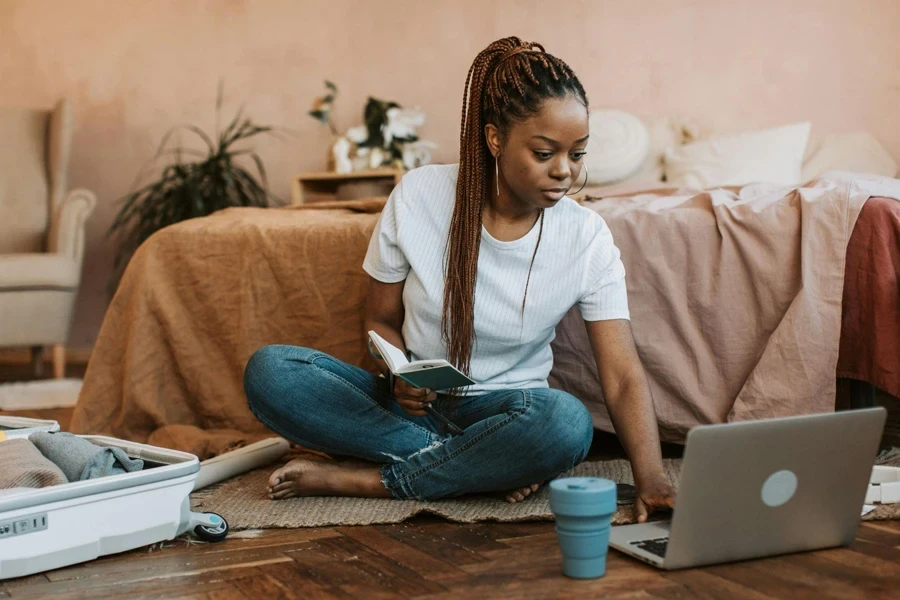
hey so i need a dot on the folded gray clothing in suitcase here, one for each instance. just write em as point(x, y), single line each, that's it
point(23, 465)
point(79, 459)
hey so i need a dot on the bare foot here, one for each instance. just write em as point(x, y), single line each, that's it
point(302, 477)
point(521, 493)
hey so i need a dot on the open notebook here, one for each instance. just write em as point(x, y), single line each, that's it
point(436, 374)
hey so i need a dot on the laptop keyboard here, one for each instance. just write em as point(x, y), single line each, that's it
point(657, 546)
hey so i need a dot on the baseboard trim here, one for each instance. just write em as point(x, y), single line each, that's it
point(22, 356)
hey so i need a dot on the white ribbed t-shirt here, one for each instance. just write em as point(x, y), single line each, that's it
point(576, 264)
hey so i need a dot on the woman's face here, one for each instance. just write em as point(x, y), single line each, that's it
point(540, 159)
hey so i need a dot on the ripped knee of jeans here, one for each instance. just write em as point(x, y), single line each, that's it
point(434, 445)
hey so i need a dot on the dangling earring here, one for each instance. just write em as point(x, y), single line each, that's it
point(497, 173)
point(585, 179)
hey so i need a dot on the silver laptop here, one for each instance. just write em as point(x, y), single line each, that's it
point(761, 488)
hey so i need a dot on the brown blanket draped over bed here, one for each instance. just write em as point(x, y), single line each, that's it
point(196, 301)
point(735, 299)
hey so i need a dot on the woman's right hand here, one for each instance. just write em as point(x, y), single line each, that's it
point(413, 400)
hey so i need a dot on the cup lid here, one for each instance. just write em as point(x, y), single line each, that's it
point(583, 495)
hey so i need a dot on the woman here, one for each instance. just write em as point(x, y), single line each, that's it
point(476, 263)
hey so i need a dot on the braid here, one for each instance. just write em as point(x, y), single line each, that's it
point(508, 82)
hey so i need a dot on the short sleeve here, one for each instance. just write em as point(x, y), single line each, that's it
point(385, 260)
point(604, 296)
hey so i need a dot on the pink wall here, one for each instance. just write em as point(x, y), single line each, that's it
point(136, 68)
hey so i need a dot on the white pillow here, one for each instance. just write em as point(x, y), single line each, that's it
point(856, 152)
point(771, 156)
point(618, 147)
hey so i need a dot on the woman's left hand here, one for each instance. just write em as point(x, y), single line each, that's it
point(655, 494)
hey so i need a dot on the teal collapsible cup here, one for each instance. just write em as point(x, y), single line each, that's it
point(583, 507)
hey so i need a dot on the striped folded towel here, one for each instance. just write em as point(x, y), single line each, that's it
point(25, 466)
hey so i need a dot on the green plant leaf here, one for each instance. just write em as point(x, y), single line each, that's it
point(320, 115)
point(192, 184)
point(229, 131)
point(260, 168)
point(220, 94)
point(193, 128)
point(375, 119)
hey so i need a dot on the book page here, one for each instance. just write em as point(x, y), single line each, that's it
point(392, 355)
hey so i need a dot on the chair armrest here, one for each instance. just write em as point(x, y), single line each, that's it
point(67, 230)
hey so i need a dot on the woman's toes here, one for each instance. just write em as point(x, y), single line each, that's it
point(281, 495)
point(515, 497)
point(520, 494)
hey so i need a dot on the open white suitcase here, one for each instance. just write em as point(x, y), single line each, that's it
point(51, 527)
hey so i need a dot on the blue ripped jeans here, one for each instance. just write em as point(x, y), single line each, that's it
point(512, 438)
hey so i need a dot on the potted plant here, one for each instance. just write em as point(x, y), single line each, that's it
point(186, 189)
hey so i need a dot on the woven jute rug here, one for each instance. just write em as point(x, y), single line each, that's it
point(244, 504)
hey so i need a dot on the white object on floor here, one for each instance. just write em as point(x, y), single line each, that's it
point(884, 485)
point(4, 493)
point(239, 461)
point(22, 427)
point(867, 508)
point(44, 393)
point(56, 526)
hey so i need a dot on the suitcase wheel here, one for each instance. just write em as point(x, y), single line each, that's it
point(215, 532)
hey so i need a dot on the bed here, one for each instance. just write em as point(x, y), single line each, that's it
point(200, 297)
point(779, 371)
point(668, 152)
point(747, 301)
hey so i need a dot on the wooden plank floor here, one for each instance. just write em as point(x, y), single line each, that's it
point(428, 558)
point(431, 558)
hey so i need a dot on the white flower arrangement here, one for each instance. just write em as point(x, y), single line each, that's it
point(387, 137)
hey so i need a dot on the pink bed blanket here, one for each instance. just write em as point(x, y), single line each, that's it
point(735, 298)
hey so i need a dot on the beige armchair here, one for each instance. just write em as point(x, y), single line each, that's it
point(42, 231)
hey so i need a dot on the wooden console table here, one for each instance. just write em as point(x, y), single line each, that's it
point(318, 187)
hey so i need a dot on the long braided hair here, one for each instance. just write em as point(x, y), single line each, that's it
point(507, 83)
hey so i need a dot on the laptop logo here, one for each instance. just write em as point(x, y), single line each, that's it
point(779, 488)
